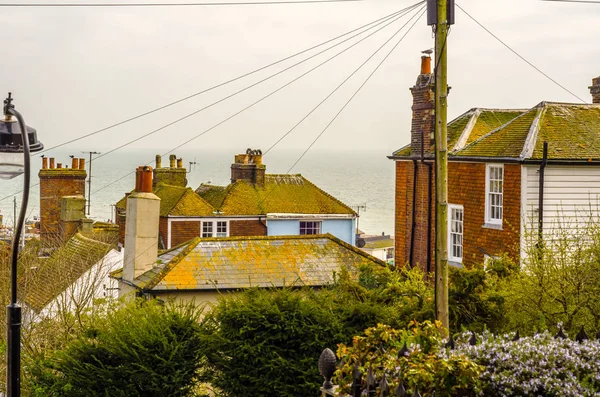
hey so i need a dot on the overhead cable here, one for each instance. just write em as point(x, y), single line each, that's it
point(214, 87)
point(519, 55)
point(208, 4)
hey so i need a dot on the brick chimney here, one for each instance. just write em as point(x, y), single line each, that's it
point(55, 184)
point(423, 116)
point(249, 167)
point(595, 90)
point(141, 230)
point(174, 175)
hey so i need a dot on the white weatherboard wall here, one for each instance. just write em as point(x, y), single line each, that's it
point(571, 196)
point(343, 229)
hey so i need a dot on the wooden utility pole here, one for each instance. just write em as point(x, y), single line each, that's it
point(441, 163)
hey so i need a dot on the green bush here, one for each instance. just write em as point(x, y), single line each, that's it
point(141, 349)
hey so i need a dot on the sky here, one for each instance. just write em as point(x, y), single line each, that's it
point(73, 71)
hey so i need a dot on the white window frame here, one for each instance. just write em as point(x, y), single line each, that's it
point(318, 231)
point(214, 224)
point(488, 195)
point(451, 256)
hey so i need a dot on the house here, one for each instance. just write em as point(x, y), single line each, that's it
point(203, 268)
point(502, 182)
point(381, 247)
point(254, 204)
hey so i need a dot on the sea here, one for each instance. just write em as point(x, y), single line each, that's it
point(359, 178)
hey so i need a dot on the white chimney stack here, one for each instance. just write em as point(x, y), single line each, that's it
point(141, 230)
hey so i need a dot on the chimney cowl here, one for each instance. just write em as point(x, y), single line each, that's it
point(425, 64)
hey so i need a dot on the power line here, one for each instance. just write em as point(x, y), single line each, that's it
point(338, 87)
point(519, 55)
point(422, 11)
point(270, 94)
point(576, 1)
point(217, 4)
point(401, 13)
point(213, 87)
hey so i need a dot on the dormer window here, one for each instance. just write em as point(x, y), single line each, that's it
point(494, 190)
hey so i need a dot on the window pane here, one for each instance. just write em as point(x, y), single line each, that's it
point(456, 233)
point(222, 229)
point(207, 229)
point(311, 227)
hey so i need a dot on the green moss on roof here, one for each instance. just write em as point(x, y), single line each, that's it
point(504, 142)
point(177, 201)
point(489, 120)
point(457, 126)
point(235, 263)
point(65, 266)
point(290, 194)
point(572, 132)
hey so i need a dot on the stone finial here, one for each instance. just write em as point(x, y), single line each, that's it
point(327, 363)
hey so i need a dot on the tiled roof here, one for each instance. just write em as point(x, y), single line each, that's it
point(177, 201)
point(571, 130)
point(290, 194)
point(245, 262)
point(65, 266)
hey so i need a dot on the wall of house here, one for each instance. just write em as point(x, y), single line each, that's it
point(182, 231)
point(571, 198)
point(344, 229)
point(247, 228)
point(466, 183)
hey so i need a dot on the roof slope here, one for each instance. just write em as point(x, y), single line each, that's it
point(177, 201)
point(66, 265)
point(283, 194)
point(245, 262)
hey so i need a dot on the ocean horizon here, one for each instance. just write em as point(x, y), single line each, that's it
point(364, 177)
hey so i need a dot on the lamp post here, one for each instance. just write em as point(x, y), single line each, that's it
point(12, 144)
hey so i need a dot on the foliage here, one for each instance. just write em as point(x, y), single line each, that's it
point(560, 280)
point(267, 343)
point(424, 366)
point(476, 296)
point(140, 349)
point(535, 366)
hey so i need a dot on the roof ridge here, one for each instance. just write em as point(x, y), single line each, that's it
point(355, 249)
point(534, 129)
point(466, 132)
point(481, 138)
point(171, 264)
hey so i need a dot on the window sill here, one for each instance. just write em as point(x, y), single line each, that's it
point(455, 264)
point(495, 226)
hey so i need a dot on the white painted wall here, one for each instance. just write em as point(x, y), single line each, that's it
point(571, 196)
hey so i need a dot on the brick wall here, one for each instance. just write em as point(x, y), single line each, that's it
point(163, 232)
point(466, 188)
point(121, 223)
point(247, 228)
point(182, 231)
point(595, 90)
point(422, 126)
point(54, 184)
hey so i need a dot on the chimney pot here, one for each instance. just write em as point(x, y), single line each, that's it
point(172, 159)
point(59, 165)
point(51, 162)
point(44, 162)
point(138, 179)
point(425, 64)
point(179, 163)
point(158, 161)
point(82, 164)
point(146, 179)
point(75, 163)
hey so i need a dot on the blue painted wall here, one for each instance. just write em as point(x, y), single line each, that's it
point(343, 229)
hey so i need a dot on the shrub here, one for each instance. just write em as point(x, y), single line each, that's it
point(141, 349)
point(425, 366)
point(535, 366)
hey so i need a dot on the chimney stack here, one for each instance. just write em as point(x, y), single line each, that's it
point(56, 183)
point(174, 175)
point(249, 167)
point(595, 90)
point(423, 110)
point(141, 230)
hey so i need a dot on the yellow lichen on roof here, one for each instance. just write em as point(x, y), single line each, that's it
point(243, 262)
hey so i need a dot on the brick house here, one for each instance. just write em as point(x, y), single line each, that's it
point(499, 179)
point(254, 204)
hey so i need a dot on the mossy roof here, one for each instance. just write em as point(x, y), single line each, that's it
point(289, 194)
point(571, 130)
point(245, 262)
point(64, 267)
point(177, 201)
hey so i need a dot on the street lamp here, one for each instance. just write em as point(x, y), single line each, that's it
point(12, 164)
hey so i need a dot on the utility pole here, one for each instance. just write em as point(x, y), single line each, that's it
point(89, 201)
point(358, 208)
point(442, 19)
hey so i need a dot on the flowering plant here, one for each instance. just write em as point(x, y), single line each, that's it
point(541, 365)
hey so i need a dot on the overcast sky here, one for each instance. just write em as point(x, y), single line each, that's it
point(75, 70)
